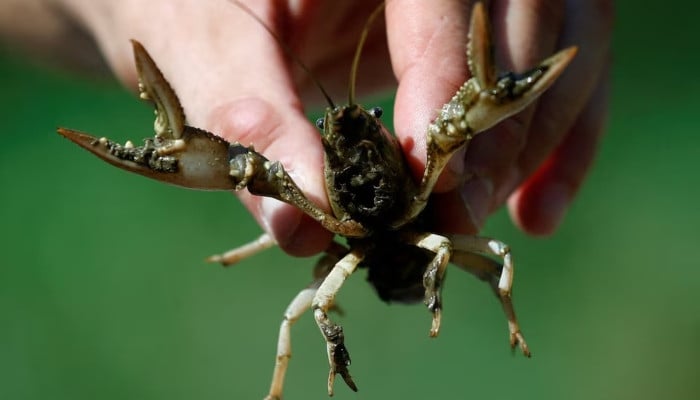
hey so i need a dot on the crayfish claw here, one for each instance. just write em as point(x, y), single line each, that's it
point(170, 117)
point(178, 154)
point(499, 96)
point(199, 160)
point(125, 156)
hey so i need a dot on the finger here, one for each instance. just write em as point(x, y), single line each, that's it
point(232, 79)
point(525, 32)
point(283, 135)
point(562, 104)
point(540, 204)
point(427, 43)
point(263, 110)
point(449, 214)
point(343, 21)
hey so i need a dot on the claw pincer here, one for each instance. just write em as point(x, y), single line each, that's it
point(178, 154)
point(198, 161)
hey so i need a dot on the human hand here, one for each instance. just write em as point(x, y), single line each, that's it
point(535, 160)
point(233, 79)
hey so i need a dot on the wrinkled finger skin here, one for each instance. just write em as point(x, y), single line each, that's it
point(535, 160)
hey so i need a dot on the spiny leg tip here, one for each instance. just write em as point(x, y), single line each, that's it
point(218, 259)
point(435, 327)
point(517, 340)
point(348, 381)
point(434, 331)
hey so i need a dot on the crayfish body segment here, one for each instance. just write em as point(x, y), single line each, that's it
point(375, 202)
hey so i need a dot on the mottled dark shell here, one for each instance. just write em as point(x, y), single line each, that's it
point(366, 175)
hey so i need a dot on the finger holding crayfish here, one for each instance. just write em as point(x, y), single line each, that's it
point(194, 158)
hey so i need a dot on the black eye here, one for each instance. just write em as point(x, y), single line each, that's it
point(376, 112)
point(319, 123)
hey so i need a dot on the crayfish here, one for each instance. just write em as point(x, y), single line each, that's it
point(376, 205)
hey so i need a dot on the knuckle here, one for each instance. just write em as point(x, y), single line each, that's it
point(246, 121)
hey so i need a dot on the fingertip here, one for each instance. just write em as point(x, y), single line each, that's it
point(426, 40)
point(539, 208)
point(295, 233)
point(308, 239)
point(477, 196)
point(288, 137)
point(449, 215)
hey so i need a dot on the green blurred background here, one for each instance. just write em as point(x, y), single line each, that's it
point(104, 293)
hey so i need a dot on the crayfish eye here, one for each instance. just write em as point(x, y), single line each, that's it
point(320, 123)
point(376, 112)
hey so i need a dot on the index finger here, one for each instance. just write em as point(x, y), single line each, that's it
point(427, 43)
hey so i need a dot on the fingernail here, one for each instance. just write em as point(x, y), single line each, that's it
point(456, 163)
point(509, 185)
point(270, 212)
point(268, 207)
point(553, 203)
point(477, 195)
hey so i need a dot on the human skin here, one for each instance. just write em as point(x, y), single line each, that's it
point(233, 79)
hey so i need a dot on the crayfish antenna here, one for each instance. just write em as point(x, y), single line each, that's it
point(287, 50)
point(358, 51)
